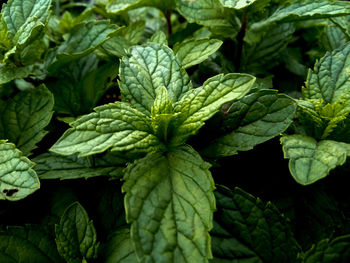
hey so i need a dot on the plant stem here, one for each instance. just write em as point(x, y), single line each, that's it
point(168, 20)
point(57, 8)
point(240, 40)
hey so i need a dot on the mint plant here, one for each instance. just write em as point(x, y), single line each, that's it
point(159, 112)
point(158, 131)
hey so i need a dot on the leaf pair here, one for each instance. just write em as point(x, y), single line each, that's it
point(325, 116)
point(160, 107)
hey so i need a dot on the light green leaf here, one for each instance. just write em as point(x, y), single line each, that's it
point(162, 103)
point(198, 105)
point(23, 118)
point(148, 68)
point(330, 78)
point(194, 51)
point(329, 251)
point(303, 10)
point(162, 114)
point(17, 178)
point(54, 166)
point(247, 230)
point(237, 4)
point(67, 21)
point(76, 235)
point(22, 16)
point(311, 160)
point(169, 202)
point(252, 120)
point(118, 6)
point(159, 37)
point(10, 72)
point(115, 125)
point(119, 248)
point(209, 13)
point(29, 244)
point(82, 40)
point(5, 40)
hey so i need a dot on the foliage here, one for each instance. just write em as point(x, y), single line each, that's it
point(155, 115)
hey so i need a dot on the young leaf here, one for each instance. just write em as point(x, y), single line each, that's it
point(29, 244)
point(311, 160)
point(198, 105)
point(115, 125)
point(194, 51)
point(53, 166)
point(119, 248)
point(169, 202)
point(247, 230)
point(329, 251)
point(208, 13)
point(24, 117)
point(330, 78)
point(159, 37)
point(252, 120)
point(148, 68)
point(76, 235)
point(17, 178)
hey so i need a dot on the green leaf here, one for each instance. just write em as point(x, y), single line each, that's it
point(162, 103)
point(17, 178)
point(159, 37)
point(198, 105)
point(263, 52)
point(237, 4)
point(330, 78)
point(169, 202)
point(79, 86)
point(22, 16)
point(67, 21)
point(119, 248)
point(148, 68)
point(29, 244)
point(53, 166)
point(115, 125)
point(247, 230)
point(10, 72)
point(252, 120)
point(329, 251)
point(209, 13)
point(303, 10)
point(311, 160)
point(194, 51)
point(118, 6)
point(334, 36)
point(82, 40)
point(76, 235)
point(24, 117)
